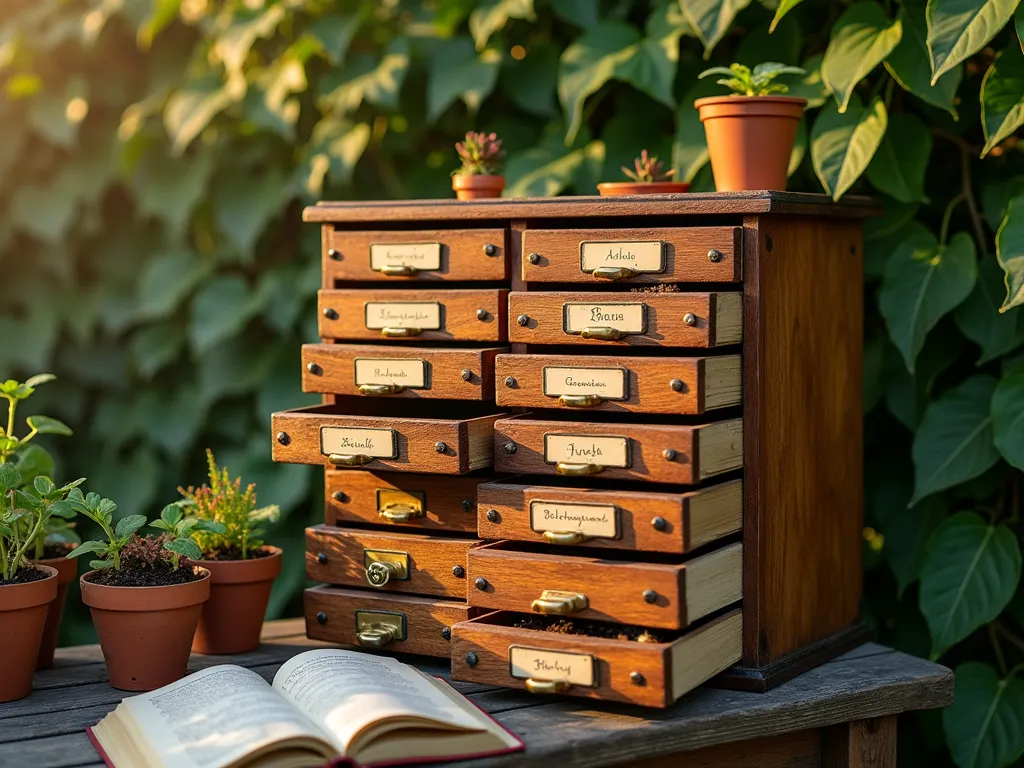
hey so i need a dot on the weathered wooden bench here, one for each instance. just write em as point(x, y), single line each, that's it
point(839, 714)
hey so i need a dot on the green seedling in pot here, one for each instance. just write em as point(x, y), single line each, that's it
point(743, 81)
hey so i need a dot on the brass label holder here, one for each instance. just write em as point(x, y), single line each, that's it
point(375, 629)
point(383, 565)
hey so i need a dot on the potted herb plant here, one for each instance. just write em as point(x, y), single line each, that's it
point(145, 593)
point(26, 589)
point(478, 175)
point(242, 568)
point(751, 131)
point(56, 537)
point(646, 177)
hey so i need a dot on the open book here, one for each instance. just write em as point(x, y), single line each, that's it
point(322, 705)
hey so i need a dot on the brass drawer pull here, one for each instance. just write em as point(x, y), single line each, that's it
point(601, 332)
point(398, 270)
point(614, 273)
point(580, 401)
point(384, 565)
point(566, 538)
point(553, 601)
point(576, 470)
point(547, 686)
point(375, 636)
point(399, 513)
point(380, 389)
point(349, 460)
point(399, 333)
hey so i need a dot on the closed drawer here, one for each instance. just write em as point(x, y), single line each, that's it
point(661, 453)
point(405, 315)
point(492, 651)
point(398, 623)
point(379, 371)
point(632, 319)
point(423, 502)
point(662, 591)
point(641, 255)
point(674, 385)
point(424, 255)
point(389, 562)
point(389, 436)
point(641, 521)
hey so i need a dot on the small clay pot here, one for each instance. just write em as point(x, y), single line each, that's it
point(616, 188)
point(146, 632)
point(477, 186)
point(239, 592)
point(67, 572)
point(750, 139)
point(23, 609)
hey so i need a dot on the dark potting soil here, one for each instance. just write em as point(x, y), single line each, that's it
point(137, 574)
point(658, 288)
point(235, 553)
point(24, 576)
point(591, 629)
point(53, 551)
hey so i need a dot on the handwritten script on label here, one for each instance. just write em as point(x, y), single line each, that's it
point(423, 315)
point(540, 664)
point(609, 383)
point(595, 520)
point(587, 449)
point(424, 257)
point(628, 318)
point(401, 371)
point(647, 256)
point(379, 443)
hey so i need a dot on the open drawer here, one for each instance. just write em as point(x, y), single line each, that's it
point(492, 650)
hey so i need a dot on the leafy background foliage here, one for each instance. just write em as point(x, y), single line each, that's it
point(156, 155)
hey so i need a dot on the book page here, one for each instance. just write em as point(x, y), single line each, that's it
point(345, 692)
point(216, 716)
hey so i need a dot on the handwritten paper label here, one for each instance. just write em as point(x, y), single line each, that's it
point(587, 449)
point(642, 257)
point(379, 370)
point(425, 315)
point(628, 318)
point(425, 257)
point(595, 520)
point(351, 441)
point(539, 664)
point(609, 383)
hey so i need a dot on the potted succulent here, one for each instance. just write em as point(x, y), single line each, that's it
point(26, 589)
point(145, 593)
point(646, 177)
point(242, 568)
point(751, 131)
point(55, 538)
point(478, 175)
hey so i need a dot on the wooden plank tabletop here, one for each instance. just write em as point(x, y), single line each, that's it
point(47, 729)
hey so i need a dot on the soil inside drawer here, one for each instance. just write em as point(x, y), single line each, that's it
point(588, 628)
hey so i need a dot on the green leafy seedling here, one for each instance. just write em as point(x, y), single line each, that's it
point(179, 529)
point(25, 511)
point(743, 81)
point(101, 511)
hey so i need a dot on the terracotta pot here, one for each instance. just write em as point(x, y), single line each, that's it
point(616, 188)
point(239, 592)
point(477, 186)
point(23, 609)
point(145, 632)
point(750, 139)
point(67, 572)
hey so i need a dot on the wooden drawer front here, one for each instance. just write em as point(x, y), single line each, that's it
point(632, 319)
point(380, 371)
point(423, 315)
point(665, 255)
point(446, 254)
point(423, 502)
point(655, 452)
point(648, 674)
point(434, 565)
point(667, 595)
point(675, 385)
point(326, 434)
point(630, 520)
point(396, 623)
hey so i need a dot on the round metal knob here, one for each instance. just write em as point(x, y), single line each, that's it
point(668, 454)
point(321, 558)
point(510, 382)
point(533, 258)
point(446, 633)
point(715, 255)
point(690, 319)
point(282, 438)
point(482, 314)
point(491, 249)
point(636, 678)
point(676, 384)
point(510, 448)
point(338, 496)
point(334, 253)
point(471, 659)
point(440, 446)
point(492, 515)
point(321, 617)
point(315, 369)
point(458, 571)
point(659, 523)
point(650, 596)
point(466, 374)
point(467, 505)
point(480, 583)
point(330, 314)
point(378, 573)
point(523, 320)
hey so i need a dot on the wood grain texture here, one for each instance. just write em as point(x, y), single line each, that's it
point(514, 576)
point(861, 744)
point(707, 383)
point(786, 750)
point(685, 252)
point(459, 314)
point(418, 439)
point(719, 444)
point(462, 254)
point(451, 374)
point(685, 520)
point(432, 560)
point(351, 496)
point(424, 618)
point(707, 650)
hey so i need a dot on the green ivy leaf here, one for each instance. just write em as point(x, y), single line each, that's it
point(245, 204)
point(958, 29)
point(1002, 97)
point(985, 723)
point(166, 280)
point(368, 78)
point(861, 39)
point(652, 68)
point(154, 347)
point(883, 235)
point(996, 194)
point(491, 15)
point(785, 6)
point(172, 419)
point(979, 319)
point(906, 530)
point(168, 188)
point(335, 32)
point(191, 109)
point(909, 64)
point(923, 282)
point(711, 19)
point(899, 165)
point(955, 440)
point(545, 171)
point(458, 72)
point(590, 62)
point(1008, 418)
point(336, 145)
point(531, 83)
point(221, 309)
point(842, 144)
point(1010, 252)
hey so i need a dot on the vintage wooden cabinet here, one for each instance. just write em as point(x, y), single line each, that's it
point(613, 445)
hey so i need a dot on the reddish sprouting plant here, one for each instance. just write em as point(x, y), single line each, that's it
point(480, 154)
point(648, 168)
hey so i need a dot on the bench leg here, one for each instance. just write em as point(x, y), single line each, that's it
point(860, 744)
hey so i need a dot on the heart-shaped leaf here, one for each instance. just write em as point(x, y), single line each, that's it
point(909, 64)
point(1002, 97)
point(899, 165)
point(785, 6)
point(958, 29)
point(979, 319)
point(590, 62)
point(711, 19)
point(1008, 417)
point(10, 478)
point(492, 15)
point(906, 530)
point(1010, 252)
point(861, 39)
point(221, 308)
point(842, 144)
point(985, 723)
point(457, 71)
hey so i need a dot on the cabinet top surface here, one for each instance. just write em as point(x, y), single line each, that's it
point(685, 204)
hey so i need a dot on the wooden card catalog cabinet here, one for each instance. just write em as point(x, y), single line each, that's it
point(622, 452)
